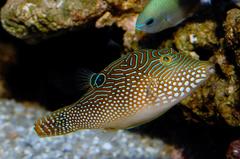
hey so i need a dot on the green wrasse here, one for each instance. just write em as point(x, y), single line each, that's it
point(133, 90)
point(162, 14)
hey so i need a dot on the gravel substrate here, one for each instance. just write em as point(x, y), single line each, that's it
point(19, 141)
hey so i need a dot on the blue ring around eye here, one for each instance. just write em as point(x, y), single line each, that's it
point(97, 80)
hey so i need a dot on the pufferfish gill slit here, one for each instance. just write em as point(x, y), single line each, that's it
point(133, 90)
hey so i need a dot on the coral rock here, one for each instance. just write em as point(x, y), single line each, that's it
point(232, 29)
point(196, 35)
point(27, 18)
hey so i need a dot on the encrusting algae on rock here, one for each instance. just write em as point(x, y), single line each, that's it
point(133, 90)
point(47, 17)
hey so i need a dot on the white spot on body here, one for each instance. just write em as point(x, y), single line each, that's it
point(182, 89)
point(170, 97)
point(165, 102)
point(192, 79)
point(162, 94)
point(176, 94)
point(179, 83)
point(182, 94)
point(164, 98)
point(188, 89)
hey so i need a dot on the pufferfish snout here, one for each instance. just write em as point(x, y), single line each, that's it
point(131, 91)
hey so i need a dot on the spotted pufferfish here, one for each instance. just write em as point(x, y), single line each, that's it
point(133, 90)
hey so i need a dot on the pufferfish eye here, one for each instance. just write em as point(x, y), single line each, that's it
point(149, 21)
point(97, 80)
point(166, 59)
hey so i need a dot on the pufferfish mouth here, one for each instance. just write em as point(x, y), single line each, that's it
point(139, 26)
point(211, 69)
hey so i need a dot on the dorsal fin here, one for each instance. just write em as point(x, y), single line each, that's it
point(83, 77)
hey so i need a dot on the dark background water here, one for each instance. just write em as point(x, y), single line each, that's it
point(49, 71)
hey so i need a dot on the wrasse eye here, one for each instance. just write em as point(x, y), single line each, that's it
point(149, 21)
point(166, 59)
point(97, 80)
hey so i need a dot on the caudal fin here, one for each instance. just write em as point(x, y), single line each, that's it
point(57, 123)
